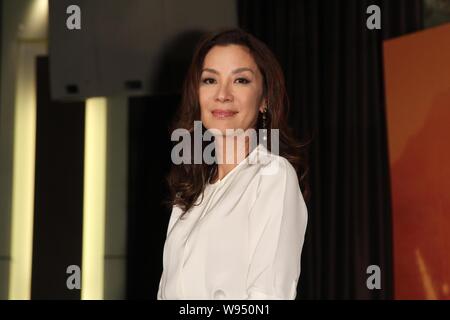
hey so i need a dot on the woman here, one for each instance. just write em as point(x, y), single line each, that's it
point(237, 227)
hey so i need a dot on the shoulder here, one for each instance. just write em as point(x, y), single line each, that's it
point(278, 196)
point(275, 171)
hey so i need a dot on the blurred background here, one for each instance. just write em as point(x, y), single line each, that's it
point(88, 89)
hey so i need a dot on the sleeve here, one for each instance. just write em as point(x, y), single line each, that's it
point(159, 294)
point(174, 216)
point(277, 226)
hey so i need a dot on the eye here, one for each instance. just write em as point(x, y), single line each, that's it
point(242, 80)
point(208, 81)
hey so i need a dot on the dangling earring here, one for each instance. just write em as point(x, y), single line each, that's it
point(264, 124)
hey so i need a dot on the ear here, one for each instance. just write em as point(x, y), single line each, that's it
point(263, 105)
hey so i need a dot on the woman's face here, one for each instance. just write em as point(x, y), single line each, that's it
point(230, 90)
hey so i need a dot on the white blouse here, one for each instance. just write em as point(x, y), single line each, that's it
point(243, 241)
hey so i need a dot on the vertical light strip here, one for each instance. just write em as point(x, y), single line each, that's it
point(33, 23)
point(94, 199)
point(23, 173)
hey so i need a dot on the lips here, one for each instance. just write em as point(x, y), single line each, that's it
point(219, 113)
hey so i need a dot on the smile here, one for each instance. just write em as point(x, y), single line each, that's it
point(223, 114)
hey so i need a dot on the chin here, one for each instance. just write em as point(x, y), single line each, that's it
point(219, 127)
point(221, 130)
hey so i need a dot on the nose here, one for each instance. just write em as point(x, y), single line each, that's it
point(224, 94)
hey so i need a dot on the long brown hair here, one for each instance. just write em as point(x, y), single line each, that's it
point(187, 181)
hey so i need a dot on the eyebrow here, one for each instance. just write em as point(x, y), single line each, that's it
point(238, 70)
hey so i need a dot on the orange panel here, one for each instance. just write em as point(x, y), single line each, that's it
point(417, 77)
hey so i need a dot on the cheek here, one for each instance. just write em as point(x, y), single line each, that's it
point(202, 100)
point(250, 116)
point(249, 103)
point(204, 97)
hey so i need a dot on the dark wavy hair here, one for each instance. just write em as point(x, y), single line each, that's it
point(186, 182)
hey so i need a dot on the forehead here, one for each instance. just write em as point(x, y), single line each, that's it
point(229, 56)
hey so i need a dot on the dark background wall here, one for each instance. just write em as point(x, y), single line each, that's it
point(1, 37)
point(149, 162)
point(58, 198)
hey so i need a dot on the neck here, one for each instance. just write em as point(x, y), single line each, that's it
point(230, 151)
